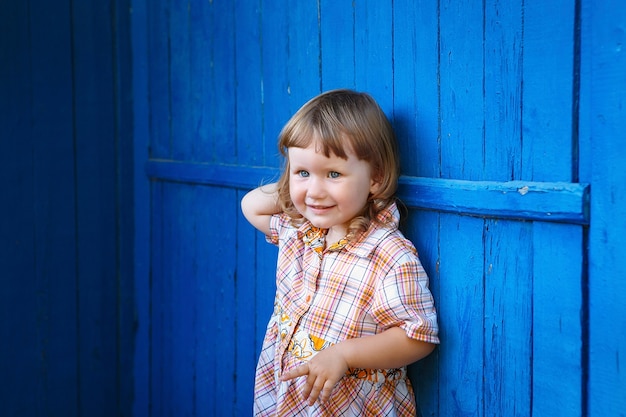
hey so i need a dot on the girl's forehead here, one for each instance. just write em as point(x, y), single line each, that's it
point(337, 145)
point(315, 150)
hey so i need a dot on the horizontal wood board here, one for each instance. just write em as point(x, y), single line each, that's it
point(559, 201)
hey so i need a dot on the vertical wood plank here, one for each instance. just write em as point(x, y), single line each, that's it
point(415, 90)
point(200, 61)
point(422, 228)
point(96, 172)
point(508, 318)
point(223, 82)
point(373, 51)
point(502, 89)
point(602, 133)
point(275, 56)
point(461, 316)
point(224, 262)
point(207, 275)
point(181, 74)
point(304, 71)
point(55, 206)
point(125, 202)
point(246, 279)
point(141, 214)
point(461, 80)
point(179, 246)
point(21, 362)
point(337, 52)
point(159, 78)
point(557, 333)
point(159, 395)
point(548, 77)
point(248, 81)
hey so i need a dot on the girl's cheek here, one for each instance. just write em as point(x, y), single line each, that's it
point(297, 198)
point(295, 193)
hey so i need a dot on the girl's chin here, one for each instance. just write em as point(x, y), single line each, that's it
point(329, 225)
point(319, 223)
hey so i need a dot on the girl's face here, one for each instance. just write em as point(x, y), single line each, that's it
point(329, 191)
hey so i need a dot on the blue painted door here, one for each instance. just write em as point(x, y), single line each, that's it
point(485, 98)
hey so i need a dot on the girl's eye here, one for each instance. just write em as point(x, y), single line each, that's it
point(302, 173)
point(333, 174)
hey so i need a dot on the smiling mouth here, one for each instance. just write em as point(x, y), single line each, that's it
point(318, 208)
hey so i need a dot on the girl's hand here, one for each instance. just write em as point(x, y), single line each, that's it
point(389, 349)
point(323, 372)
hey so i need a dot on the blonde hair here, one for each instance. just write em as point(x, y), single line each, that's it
point(337, 121)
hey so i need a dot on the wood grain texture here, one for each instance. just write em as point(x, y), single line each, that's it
point(337, 44)
point(54, 226)
point(96, 221)
point(276, 89)
point(556, 311)
point(373, 57)
point(602, 133)
point(21, 361)
point(508, 318)
point(249, 76)
point(65, 322)
point(141, 216)
point(461, 89)
point(416, 110)
point(462, 311)
point(158, 55)
point(549, 117)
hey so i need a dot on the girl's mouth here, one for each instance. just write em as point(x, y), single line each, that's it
point(318, 208)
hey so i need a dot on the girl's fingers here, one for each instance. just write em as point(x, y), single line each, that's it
point(315, 387)
point(301, 370)
point(312, 389)
point(325, 394)
point(320, 389)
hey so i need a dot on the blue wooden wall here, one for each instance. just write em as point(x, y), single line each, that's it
point(492, 103)
point(66, 260)
point(123, 296)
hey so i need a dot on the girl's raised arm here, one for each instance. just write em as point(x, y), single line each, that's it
point(259, 205)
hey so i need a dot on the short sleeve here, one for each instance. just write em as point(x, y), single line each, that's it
point(404, 299)
point(278, 223)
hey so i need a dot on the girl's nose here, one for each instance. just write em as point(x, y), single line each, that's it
point(315, 189)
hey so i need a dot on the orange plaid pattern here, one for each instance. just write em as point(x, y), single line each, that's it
point(353, 289)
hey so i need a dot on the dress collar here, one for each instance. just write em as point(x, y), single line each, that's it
point(315, 237)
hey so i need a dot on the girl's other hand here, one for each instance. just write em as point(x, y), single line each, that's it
point(322, 372)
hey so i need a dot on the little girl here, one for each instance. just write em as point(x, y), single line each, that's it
point(352, 305)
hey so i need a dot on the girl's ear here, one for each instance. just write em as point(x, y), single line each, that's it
point(375, 186)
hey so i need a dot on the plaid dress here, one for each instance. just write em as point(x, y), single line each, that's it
point(326, 295)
